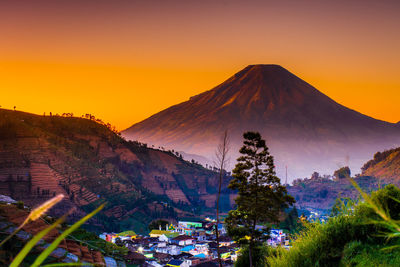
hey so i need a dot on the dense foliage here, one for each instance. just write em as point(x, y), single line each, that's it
point(354, 237)
point(379, 156)
point(94, 164)
point(261, 196)
point(342, 173)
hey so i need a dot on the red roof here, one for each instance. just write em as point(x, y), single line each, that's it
point(182, 238)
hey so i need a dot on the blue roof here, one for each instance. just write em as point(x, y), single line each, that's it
point(187, 248)
point(175, 262)
point(200, 256)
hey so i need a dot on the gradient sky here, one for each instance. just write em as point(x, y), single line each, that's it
point(126, 60)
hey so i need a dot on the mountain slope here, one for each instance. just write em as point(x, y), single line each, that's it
point(305, 129)
point(43, 156)
point(384, 165)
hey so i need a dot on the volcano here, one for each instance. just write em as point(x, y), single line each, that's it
point(306, 130)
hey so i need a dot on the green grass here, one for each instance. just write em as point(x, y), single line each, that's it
point(352, 238)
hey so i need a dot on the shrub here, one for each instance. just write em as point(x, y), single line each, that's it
point(354, 236)
point(259, 256)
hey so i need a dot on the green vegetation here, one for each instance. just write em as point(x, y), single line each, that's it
point(155, 225)
point(385, 166)
point(260, 198)
point(92, 241)
point(259, 256)
point(342, 173)
point(379, 156)
point(24, 257)
point(321, 193)
point(360, 235)
point(291, 222)
point(95, 164)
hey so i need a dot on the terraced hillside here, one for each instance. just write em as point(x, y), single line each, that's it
point(41, 156)
point(91, 250)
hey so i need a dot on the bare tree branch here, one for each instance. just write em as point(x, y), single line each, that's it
point(221, 161)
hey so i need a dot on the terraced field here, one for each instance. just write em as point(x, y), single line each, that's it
point(41, 156)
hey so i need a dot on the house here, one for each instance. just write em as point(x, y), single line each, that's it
point(163, 238)
point(188, 227)
point(177, 263)
point(188, 224)
point(170, 249)
point(167, 237)
point(172, 235)
point(161, 244)
point(192, 261)
point(200, 256)
point(207, 264)
point(200, 235)
point(200, 248)
point(182, 240)
point(158, 233)
point(131, 234)
point(188, 248)
point(152, 263)
point(134, 258)
point(162, 258)
point(225, 241)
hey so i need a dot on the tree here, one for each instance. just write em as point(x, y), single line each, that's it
point(291, 222)
point(343, 172)
point(261, 196)
point(315, 175)
point(118, 242)
point(155, 225)
point(221, 155)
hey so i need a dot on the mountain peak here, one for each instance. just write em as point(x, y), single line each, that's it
point(266, 67)
point(262, 70)
point(303, 126)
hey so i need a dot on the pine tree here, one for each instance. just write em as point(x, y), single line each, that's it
point(261, 196)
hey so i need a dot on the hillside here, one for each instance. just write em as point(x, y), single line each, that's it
point(319, 194)
point(90, 249)
point(385, 165)
point(41, 156)
point(305, 129)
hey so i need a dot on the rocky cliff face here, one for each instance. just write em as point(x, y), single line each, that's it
point(305, 129)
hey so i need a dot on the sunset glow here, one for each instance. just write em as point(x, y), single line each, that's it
point(126, 60)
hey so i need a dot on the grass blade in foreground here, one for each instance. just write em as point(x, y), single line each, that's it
point(35, 214)
point(28, 247)
point(61, 237)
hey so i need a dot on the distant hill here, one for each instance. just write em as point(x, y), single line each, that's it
point(306, 130)
point(385, 165)
point(41, 156)
point(319, 194)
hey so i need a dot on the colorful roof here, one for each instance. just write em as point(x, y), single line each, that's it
point(172, 235)
point(127, 233)
point(182, 237)
point(174, 263)
point(159, 232)
point(187, 248)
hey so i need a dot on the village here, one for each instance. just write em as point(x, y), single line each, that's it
point(188, 243)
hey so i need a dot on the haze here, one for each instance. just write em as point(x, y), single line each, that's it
point(126, 60)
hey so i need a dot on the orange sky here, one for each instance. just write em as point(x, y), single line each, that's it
point(126, 60)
